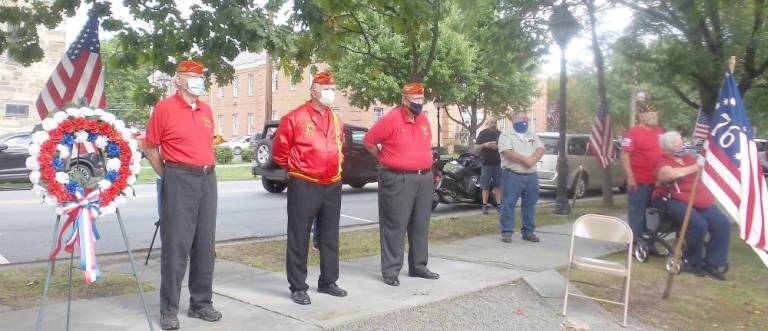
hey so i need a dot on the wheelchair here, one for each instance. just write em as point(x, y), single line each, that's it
point(661, 233)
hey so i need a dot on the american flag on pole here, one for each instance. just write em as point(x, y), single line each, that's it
point(701, 130)
point(732, 171)
point(79, 77)
point(554, 117)
point(600, 142)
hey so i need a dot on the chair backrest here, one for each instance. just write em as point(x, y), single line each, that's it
point(601, 227)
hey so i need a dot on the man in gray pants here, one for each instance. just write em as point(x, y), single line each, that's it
point(179, 146)
point(405, 185)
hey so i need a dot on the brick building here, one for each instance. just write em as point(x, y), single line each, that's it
point(239, 107)
point(20, 86)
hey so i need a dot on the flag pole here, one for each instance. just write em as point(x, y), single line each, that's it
point(676, 266)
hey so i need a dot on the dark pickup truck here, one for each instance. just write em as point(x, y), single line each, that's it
point(359, 168)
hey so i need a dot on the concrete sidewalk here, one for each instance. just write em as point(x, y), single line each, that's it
point(252, 299)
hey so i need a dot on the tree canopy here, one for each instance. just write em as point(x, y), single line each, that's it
point(215, 32)
point(685, 45)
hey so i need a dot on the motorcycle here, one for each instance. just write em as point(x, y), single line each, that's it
point(457, 180)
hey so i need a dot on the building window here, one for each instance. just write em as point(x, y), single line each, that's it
point(221, 91)
point(250, 85)
point(250, 124)
point(274, 80)
point(220, 125)
point(378, 112)
point(235, 125)
point(235, 87)
point(275, 115)
point(16, 110)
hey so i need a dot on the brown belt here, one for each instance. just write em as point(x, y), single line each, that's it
point(420, 172)
point(202, 170)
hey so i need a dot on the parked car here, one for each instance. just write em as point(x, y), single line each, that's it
point(238, 144)
point(580, 160)
point(358, 169)
point(14, 153)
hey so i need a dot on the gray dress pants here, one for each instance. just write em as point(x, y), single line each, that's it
point(188, 232)
point(405, 206)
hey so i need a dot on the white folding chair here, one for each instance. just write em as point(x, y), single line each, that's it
point(605, 228)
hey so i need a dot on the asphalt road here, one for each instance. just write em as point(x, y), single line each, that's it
point(245, 210)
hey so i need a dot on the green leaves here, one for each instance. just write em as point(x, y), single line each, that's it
point(685, 45)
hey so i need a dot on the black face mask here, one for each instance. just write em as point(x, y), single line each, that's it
point(415, 108)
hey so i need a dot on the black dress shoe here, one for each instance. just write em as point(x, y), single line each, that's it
point(300, 297)
point(714, 272)
point(333, 290)
point(693, 270)
point(207, 314)
point(392, 281)
point(424, 274)
point(531, 237)
point(169, 322)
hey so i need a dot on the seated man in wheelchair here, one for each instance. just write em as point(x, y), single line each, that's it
point(675, 174)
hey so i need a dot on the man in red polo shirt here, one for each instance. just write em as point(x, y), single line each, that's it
point(179, 145)
point(308, 146)
point(405, 185)
point(640, 152)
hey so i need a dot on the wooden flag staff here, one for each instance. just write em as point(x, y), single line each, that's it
point(675, 264)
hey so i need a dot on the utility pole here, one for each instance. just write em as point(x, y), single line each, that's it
point(268, 78)
point(268, 89)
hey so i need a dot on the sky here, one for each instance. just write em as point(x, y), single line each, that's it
point(611, 21)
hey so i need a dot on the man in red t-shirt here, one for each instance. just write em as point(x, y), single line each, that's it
point(640, 151)
point(179, 146)
point(405, 185)
point(308, 145)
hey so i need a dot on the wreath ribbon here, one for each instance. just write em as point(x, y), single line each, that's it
point(82, 232)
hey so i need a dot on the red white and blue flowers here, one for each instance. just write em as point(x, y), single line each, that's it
point(52, 150)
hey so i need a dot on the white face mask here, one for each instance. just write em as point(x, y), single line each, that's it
point(196, 86)
point(327, 97)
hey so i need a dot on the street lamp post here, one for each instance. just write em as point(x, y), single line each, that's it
point(563, 26)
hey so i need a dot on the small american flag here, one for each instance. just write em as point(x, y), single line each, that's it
point(701, 131)
point(554, 117)
point(732, 171)
point(79, 77)
point(600, 142)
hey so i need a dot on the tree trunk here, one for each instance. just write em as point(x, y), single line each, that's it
point(472, 126)
point(602, 96)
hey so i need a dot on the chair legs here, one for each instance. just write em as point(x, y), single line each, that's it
point(626, 300)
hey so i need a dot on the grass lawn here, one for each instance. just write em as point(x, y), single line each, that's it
point(696, 303)
point(223, 173)
point(270, 255)
point(22, 287)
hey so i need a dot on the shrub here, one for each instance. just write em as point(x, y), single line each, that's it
point(223, 154)
point(246, 154)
